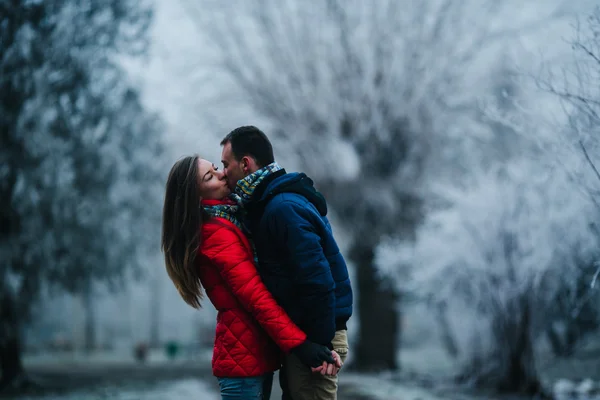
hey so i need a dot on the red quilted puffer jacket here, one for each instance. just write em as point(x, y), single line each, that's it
point(252, 329)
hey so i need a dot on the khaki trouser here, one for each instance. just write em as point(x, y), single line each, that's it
point(303, 384)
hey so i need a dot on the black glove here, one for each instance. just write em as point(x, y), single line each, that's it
point(313, 354)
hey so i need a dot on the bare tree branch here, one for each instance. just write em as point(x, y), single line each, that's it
point(589, 160)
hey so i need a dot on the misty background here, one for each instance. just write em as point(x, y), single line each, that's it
point(455, 141)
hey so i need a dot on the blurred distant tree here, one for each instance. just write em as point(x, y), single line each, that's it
point(357, 91)
point(486, 147)
point(510, 242)
point(155, 279)
point(572, 148)
point(87, 294)
point(80, 158)
point(577, 310)
point(576, 148)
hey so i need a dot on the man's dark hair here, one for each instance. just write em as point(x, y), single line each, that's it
point(250, 141)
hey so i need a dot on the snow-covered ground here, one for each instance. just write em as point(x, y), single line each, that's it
point(425, 369)
point(115, 357)
point(184, 389)
point(124, 380)
point(197, 382)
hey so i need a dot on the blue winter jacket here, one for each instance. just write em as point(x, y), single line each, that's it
point(299, 259)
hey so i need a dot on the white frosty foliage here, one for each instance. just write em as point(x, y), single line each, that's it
point(511, 233)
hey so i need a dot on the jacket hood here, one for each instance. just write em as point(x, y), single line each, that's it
point(298, 183)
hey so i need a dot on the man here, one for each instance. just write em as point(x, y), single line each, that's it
point(299, 260)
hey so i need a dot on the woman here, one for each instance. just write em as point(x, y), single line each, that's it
point(204, 245)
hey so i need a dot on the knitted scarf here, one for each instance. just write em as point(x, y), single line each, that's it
point(245, 187)
point(229, 210)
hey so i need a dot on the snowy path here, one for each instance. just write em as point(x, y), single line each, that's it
point(180, 390)
point(117, 376)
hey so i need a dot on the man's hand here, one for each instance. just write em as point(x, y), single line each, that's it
point(330, 369)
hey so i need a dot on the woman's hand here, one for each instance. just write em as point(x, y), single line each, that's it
point(330, 369)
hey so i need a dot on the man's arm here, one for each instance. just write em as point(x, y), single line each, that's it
point(292, 227)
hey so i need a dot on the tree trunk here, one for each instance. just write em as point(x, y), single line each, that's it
point(11, 365)
point(556, 343)
point(446, 336)
point(10, 361)
point(511, 368)
point(563, 345)
point(520, 375)
point(90, 317)
point(155, 311)
point(377, 346)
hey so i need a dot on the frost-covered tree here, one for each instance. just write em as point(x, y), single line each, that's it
point(564, 122)
point(576, 147)
point(80, 162)
point(356, 92)
point(510, 242)
point(575, 86)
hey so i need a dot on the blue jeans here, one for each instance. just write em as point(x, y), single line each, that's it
point(255, 388)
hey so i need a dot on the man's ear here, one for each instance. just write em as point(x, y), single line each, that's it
point(246, 163)
point(249, 164)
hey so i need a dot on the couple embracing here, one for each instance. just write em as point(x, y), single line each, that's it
point(257, 240)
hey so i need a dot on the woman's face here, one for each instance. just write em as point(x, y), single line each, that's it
point(211, 182)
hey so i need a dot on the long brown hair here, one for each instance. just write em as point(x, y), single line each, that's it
point(182, 219)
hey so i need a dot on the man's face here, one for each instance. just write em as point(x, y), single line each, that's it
point(231, 167)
